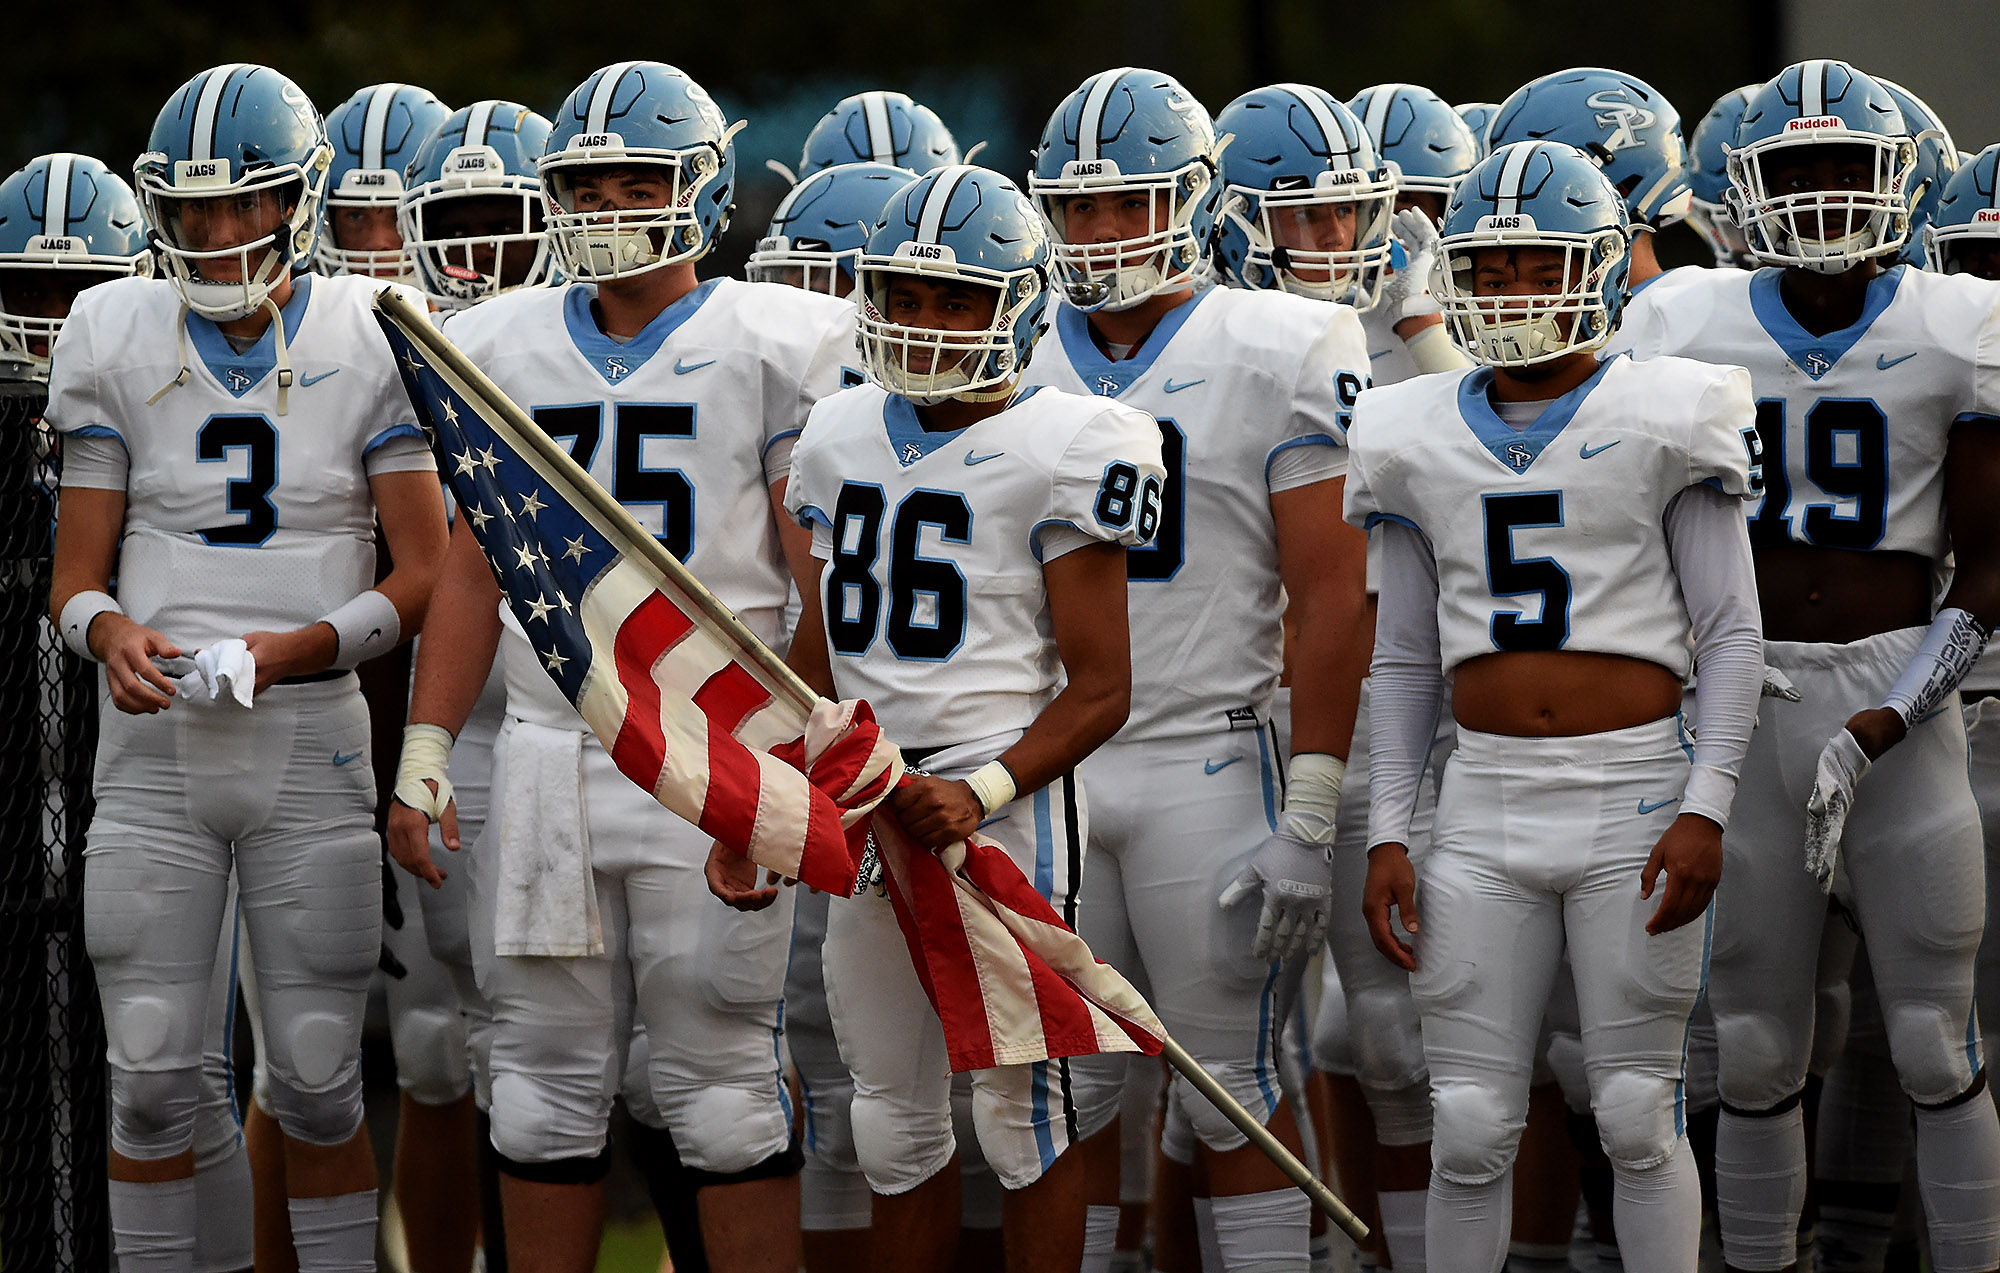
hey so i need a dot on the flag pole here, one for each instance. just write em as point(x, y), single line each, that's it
point(1297, 1172)
point(416, 324)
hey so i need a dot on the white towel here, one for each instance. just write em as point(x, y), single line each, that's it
point(222, 672)
point(547, 900)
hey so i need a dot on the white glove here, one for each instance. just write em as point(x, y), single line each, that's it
point(1841, 766)
point(1778, 685)
point(225, 669)
point(1296, 878)
point(1406, 293)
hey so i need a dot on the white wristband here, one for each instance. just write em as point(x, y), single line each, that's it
point(366, 626)
point(1312, 795)
point(426, 756)
point(993, 783)
point(1432, 351)
point(79, 612)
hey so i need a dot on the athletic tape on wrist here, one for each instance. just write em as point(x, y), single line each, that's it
point(367, 626)
point(1312, 795)
point(1949, 650)
point(993, 783)
point(1431, 350)
point(426, 755)
point(79, 612)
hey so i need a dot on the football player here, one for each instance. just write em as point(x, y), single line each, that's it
point(1301, 164)
point(1856, 522)
point(471, 209)
point(1627, 126)
point(995, 652)
point(821, 225)
point(880, 128)
point(66, 223)
point(1207, 866)
point(1478, 116)
point(1937, 159)
point(375, 134)
point(250, 550)
point(682, 398)
point(1708, 180)
point(1607, 544)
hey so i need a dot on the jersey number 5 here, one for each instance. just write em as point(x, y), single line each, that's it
point(1511, 576)
point(926, 594)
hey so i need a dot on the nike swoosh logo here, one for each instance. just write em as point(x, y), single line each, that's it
point(1171, 387)
point(1586, 450)
point(683, 368)
point(1380, 353)
point(1210, 767)
point(307, 382)
point(1883, 362)
point(971, 459)
point(341, 759)
point(1657, 804)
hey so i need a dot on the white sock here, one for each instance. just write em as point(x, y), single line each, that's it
point(1204, 1231)
point(1958, 1173)
point(152, 1225)
point(1658, 1213)
point(223, 1235)
point(1466, 1226)
point(334, 1235)
point(1760, 1185)
point(1263, 1232)
point(1403, 1227)
point(1100, 1238)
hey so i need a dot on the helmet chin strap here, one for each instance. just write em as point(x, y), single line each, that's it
point(282, 354)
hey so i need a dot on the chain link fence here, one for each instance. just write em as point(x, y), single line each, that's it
point(53, 1212)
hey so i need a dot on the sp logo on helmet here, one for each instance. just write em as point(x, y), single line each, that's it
point(1623, 116)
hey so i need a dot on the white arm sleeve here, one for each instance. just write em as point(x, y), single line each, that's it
point(1406, 682)
point(1710, 544)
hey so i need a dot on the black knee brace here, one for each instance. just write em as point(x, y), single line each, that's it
point(1785, 1106)
point(786, 1162)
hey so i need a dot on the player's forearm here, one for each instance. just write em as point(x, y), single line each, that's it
point(1328, 663)
point(1077, 721)
point(463, 632)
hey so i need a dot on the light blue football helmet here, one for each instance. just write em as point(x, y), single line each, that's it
point(644, 114)
point(1822, 103)
point(66, 223)
point(375, 135)
point(881, 128)
point(1298, 169)
point(246, 134)
point(1535, 194)
point(1622, 120)
point(1478, 116)
point(1419, 135)
point(1937, 160)
point(484, 151)
point(820, 227)
point(1967, 213)
point(1708, 179)
point(1129, 133)
point(957, 225)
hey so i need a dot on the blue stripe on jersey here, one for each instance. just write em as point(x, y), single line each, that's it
point(1816, 355)
point(98, 431)
point(393, 431)
point(240, 373)
point(1035, 533)
point(1045, 848)
point(1507, 444)
point(1972, 1039)
point(908, 439)
point(1038, 1098)
point(811, 515)
point(229, 1014)
point(1308, 439)
point(606, 356)
point(1265, 1087)
point(1269, 779)
point(1687, 1031)
point(1099, 374)
point(1376, 519)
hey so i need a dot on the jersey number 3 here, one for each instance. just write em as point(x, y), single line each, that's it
point(249, 496)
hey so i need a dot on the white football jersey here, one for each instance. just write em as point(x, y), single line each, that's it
point(687, 424)
point(1551, 537)
point(1853, 423)
point(1251, 390)
point(933, 599)
point(237, 518)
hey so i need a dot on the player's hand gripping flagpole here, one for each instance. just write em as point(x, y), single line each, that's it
point(698, 711)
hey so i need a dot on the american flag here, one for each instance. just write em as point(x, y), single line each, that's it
point(696, 712)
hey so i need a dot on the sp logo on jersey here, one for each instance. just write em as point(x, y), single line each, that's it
point(238, 379)
point(1816, 364)
point(615, 369)
point(1519, 456)
point(1107, 386)
point(1623, 116)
